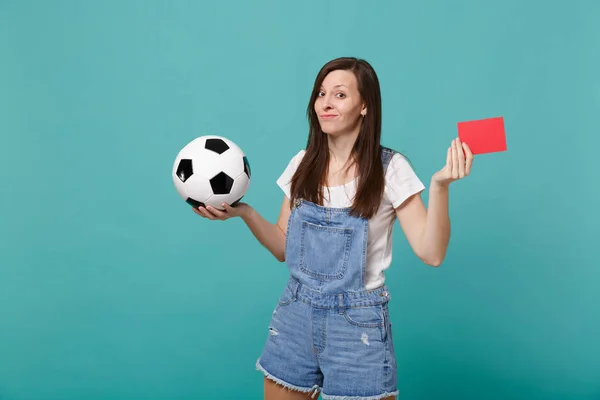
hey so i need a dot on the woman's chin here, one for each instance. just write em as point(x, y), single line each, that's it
point(330, 131)
point(336, 132)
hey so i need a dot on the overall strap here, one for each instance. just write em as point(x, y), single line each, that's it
point(386, 156)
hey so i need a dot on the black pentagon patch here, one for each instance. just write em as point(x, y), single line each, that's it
point(247, 167)
point(184, 169)
point(221, 183)
point(216, 145)
point(194, 203)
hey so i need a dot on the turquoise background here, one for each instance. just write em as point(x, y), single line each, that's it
point(111, 288)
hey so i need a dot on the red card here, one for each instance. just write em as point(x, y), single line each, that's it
point(484, 135)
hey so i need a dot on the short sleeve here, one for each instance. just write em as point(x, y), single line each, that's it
point(285, 179)
point(401, 181)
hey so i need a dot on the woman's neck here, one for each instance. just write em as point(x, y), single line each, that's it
point(340, 148)
point(341, 165)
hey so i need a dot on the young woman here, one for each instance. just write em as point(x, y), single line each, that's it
point(330, 331)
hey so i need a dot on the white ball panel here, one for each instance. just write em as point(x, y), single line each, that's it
point(232, 162)
point(240, 186)
point(214, 201)
point(206, 163)
point(198, 188)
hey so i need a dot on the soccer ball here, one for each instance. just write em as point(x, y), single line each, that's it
point(211, 170)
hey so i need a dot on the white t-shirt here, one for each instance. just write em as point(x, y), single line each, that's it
point(401, 182)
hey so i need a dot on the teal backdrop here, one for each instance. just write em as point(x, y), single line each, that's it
point(112, 288)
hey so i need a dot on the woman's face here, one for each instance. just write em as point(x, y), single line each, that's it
point(338, 105)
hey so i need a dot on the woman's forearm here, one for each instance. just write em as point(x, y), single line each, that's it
point(436, 234)
point(268, 234)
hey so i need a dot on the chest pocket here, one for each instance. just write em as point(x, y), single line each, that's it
point(324, 250)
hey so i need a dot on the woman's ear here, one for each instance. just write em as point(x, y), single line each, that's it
point(363, 112)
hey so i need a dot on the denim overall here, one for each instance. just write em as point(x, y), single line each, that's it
point(328, 333)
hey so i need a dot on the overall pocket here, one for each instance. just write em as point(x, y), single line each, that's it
point(324, 250)
point(367, 319)
point(286, 297)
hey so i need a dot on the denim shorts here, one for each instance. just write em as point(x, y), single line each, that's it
point(340, 345)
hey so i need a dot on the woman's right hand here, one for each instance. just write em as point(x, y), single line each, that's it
point(229, 212)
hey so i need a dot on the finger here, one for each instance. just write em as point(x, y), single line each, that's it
point(217, 213)
point(198, 210)
point(461, 158)
point(469, 161)
point(206, 213)
point(454, 160)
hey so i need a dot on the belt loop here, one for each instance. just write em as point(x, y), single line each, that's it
point(341, 305)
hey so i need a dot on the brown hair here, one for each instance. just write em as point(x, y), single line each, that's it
point(313, 169)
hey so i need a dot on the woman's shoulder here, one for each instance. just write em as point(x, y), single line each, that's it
point(401, 180)
point(396, 161)
point(296, 159)
point(293, 163)
point(298, 156)
point(285, 178)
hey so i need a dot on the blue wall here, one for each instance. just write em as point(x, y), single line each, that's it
point(111, 288)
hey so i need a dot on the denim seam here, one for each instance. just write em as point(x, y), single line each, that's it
point(335, 306)
point(363, 271)
point(375, 397)
point(323, 338)
point(362, 324)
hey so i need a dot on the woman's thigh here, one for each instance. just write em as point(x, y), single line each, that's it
point(273, 391)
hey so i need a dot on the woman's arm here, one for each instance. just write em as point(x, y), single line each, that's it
point(271, 236)
point(428, 231)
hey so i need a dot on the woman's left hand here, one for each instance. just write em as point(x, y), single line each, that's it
point(458, 164)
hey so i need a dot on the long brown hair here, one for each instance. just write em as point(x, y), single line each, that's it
point(311, 174)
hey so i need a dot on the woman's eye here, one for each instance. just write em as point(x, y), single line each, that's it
point(341, 95)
